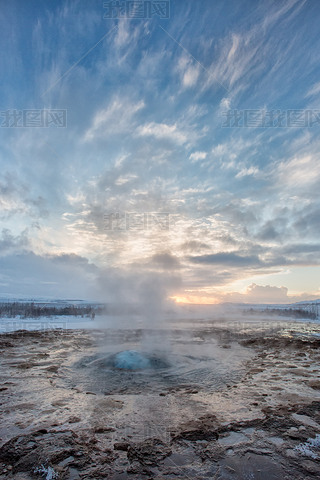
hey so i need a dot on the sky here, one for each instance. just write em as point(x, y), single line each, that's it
point(160, 146)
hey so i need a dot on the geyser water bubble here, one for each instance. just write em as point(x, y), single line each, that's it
point(131, 360)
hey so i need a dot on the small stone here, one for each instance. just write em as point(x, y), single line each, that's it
point(53, 369)
point(137, 468)
point(315, 384)
point(277, 441)
point(73, 474)
point(66, 461)
point(306, 420)
point(293, 432)
point(310, 466)
point(121, 446)
point(103, 429)
point(291, 453)
point(74, 420)
point(232, 470)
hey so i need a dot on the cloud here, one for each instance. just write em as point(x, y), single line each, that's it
point(229, 259)
point(274, 229)
point(10, 243)
point(266, 294)
point(314, 90)
point(190, 76)
point(299, 171)
point(65, 276)
point(166, 261)
point(262, 294)
point(162, 131)
point(240, 57)
point(195, 156)
point(301, 248)
point(188, 70)
point(11, 195)
point(307, 222)
point(116, 118)
point(16, 198)
point(194, 245)
point(246, 172)
point(122, 37)
point(147, 137)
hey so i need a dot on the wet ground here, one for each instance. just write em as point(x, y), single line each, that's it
point(211, 400)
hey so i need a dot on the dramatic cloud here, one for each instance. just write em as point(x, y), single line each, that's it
point(66, 276)
point(161, 167)
point(228, 259)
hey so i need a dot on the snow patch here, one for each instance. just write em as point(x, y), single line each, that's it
point(49, 473)
point(309, 446)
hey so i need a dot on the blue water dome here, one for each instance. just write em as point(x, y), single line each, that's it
point(131, 360)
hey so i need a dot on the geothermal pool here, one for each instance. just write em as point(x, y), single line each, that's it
point(121, 365)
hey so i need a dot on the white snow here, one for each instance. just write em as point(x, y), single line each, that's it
point(65, 322)
point(308, 448)
point(48, 471)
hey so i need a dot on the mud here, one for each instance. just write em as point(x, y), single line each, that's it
point(215, 403)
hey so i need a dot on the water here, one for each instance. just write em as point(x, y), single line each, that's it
point(189, 363)
point(131, 360)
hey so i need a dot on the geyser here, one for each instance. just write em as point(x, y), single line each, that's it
point(128, 369)
point(131, 360)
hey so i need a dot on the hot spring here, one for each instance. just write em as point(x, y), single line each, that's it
point(133, 360)
point(128, 368)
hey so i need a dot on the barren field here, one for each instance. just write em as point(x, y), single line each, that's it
point(206, 401)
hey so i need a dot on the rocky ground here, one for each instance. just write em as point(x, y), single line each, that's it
point(263, 423)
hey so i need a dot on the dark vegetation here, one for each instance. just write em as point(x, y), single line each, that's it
point(34, 310)
point(311, 313)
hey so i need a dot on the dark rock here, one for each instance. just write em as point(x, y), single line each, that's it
point(206, 428)
point(311, 467)
point(315, 384)
point(121, 446)
point(58, 449)
point(74, 419)
point(138, 469)
point(148, 452)
point(103, 429)
point(53, 368)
